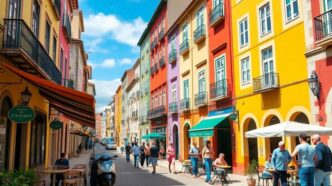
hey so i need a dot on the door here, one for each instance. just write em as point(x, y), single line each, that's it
point(220, 86)
point(199, 18)
point(185, 32)
point(268, 68)
point(14, 7)
point(35, 18)
point(216, 3)
point(327, 18)
point(5, 128)
point(176, 140)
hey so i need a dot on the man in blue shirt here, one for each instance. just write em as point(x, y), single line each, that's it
point(324, 161)
point(280, 160)
point(61, 163)
point(136, 153)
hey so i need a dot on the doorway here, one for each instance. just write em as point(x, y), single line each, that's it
point(5, 128)
point(176, 140)
point(252, 143)
point(186, 140)
point(272, 143)
point(224, 140)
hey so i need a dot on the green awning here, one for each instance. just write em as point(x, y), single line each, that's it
point(205, 127)
point(154, 136)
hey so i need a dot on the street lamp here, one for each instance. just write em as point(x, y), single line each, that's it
point(314, 83)
point(234, 115)
point(25, 96)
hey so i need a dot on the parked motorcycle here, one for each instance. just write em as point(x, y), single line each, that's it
point(103, 170)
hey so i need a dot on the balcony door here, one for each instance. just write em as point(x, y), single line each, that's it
point(220, 72)
point(199, 18)
point(268, 68)
point(14, 8)
point(328, 17)
point(35, 18)
point(216, 3)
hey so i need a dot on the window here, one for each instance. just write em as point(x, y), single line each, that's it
point(35, 18)
point(201, 81)
point(61, 60)
point(54, 49)
point(216, 3)
point(265, 19)
point(244, 32)
point(185, 32)
point(65, 69)
point(164, 97)
point(245, 71)
point(173, 43)
point(173, 92)
point(267, 59)
point(199, 17)
point(37, 142)
point(292, 9)
point(220, 69)
point(47, 37)
point(14, 9)
point(186, 89)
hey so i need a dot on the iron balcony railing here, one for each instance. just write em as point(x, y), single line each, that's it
point(172, 56)
point(201, 99)
point(57, 6)
point(217, 14)
point(218, 89)
point(156, 68)
point(185, 104)
point(323, 25)
point(173, 107)
point(153, 44)
point(17, 35)
point(199, 33)
point(152, 70)
point(266, 82)
point(66, 25)
point(161, 34)
point(156, 112)
point(161, 62)
point(184, 47)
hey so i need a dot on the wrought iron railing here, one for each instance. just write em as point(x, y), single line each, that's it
point(201, 99)
point(199, 32)
point(161, 61)
point(17, 35)
point(323, 25)
point(266, 82)
point(66, 25)
point(172, 56)
point(184, 46)
point(218, 89)
point(217, 13)
point(156, 112)
point(173, 107)
point(156, 67)
point(185, 104)
point(153, 44)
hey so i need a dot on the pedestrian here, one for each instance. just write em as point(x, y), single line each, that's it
point(142, 153)
point(218, 163)
point(323, 165)
point(171, 158)
point(136, 153)
point(267, 166)
point(280, 160)
point(122, 149)
point(193, 153)
point(128, 152)
point(147, 154)
point(154, 154)
point(208, 157)
point(306, 161)
point(61, 163)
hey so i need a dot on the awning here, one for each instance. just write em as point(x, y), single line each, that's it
point(154, 136)
point(79, 133)
point(205, 126)
point(75, 105)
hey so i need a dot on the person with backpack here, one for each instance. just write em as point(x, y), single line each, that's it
point(143, 150)
point(128, 152)
point(323, 164)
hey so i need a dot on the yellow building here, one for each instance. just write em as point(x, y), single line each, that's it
point(270, 72)
point(118, 115)
point(194, 71)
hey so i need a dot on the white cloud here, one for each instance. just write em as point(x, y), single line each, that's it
point(94, 46)
point(105, 89)
point(108, 63)
point(100, 26)
point(126, 61)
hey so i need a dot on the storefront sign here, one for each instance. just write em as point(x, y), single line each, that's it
point(21, 114)
point(56, 124)
point(221, 112)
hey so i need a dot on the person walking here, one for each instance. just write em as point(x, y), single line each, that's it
point(154, 154)
point(306, 161)
point(147, 154)
point(128, 152)
point(280, 160)
point(136, 153)
point(193, 153)
point(208, 158)
point(171, 158)
point(323, 164)
point(142, 153)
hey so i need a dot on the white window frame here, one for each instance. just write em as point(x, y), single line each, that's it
point(263, 47)
point(292, 16)
point(249, 84)
point(199, 15)
point(185, 31)
point(201, 75)
point(263, 21)
point(245, 71)
point(173, 95)
point(184, 90)
point(240, 21)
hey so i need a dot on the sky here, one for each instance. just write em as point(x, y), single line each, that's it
point(112, 30)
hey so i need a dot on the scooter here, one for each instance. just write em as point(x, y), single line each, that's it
point(103, 170)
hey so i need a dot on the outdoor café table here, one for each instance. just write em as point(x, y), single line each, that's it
point(53, 172)
point(225, 167)
point(186, 165)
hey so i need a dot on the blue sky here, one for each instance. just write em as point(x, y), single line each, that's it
point(112, 30)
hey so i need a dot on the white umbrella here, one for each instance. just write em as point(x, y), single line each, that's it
point(288, 128)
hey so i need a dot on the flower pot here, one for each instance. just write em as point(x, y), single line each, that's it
point(251, 182)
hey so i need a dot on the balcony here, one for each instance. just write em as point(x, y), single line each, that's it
point(161, 62)
point(25, 50)
point(152, 70)
point(217, 15)
point(57, 7)
point(66, 26)
point(199, 34)
point(201, 99)
point(173, 107)
point(218, 90)
point(185, 104)
point(323, 29)
point(157, 112)
point(172, 56)
point(184, 47)
point(161, 34)
point(70, 83)
point(153, 44)
point(156, 68)
point(266, 82)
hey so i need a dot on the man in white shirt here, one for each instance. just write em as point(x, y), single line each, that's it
point(136, 153)
point(193, 153)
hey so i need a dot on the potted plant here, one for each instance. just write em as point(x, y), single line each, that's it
point(251, 171)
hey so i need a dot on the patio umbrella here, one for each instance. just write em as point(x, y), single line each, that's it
point(288, 128)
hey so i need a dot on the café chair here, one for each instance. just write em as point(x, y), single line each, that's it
point(82, 166)
point(260, 170)
point(72, 178)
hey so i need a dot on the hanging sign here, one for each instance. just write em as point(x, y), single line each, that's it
point(56, 124)
point(21, 114)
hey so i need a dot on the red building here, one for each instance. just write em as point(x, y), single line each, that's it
point(158, 59)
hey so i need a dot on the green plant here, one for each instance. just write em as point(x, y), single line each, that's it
point(251, 170)
point(20, 177)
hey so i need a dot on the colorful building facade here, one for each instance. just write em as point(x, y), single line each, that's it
point(118, 115)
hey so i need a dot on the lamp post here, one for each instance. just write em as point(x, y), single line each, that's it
point(314, 84)
point(25, 96)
